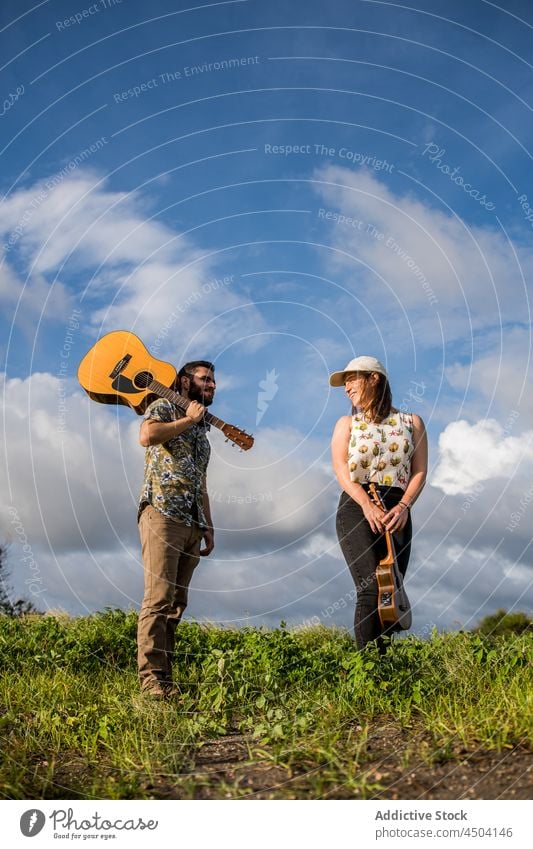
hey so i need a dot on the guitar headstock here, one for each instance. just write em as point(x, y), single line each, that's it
point(239, 437)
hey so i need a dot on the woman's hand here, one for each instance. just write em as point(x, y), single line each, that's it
point(396, 518)
point(375, 516)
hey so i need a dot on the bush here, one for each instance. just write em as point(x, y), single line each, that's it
point(503, 623)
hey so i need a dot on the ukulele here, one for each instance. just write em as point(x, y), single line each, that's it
point(119, 370)
point(393, 604)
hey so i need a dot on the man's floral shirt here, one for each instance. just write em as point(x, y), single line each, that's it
point(175, 471)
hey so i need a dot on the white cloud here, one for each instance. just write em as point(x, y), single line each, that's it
point(498, 379)
point(178, 309)
point(79, 215)
point(469, 454)
point(31, 297)
point(276, 494)
point(139, 271)
point(462, 584)
point(419, 267)
point(10, 285)
point(70, 481)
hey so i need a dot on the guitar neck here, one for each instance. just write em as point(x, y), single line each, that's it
point(182, 402)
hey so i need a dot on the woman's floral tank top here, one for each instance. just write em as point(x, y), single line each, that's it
point(381, 453)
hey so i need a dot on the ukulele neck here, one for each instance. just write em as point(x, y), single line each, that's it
point(390, 559)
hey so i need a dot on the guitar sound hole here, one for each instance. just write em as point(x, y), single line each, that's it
point(143, 379)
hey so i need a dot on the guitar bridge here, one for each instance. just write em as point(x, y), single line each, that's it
point(386, 599)
point(120, 366)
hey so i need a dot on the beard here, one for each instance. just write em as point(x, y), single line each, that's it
point(196, 393)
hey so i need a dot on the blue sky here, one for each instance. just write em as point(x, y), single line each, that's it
point(276, 187)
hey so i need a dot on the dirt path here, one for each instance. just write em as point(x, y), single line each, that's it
point(232, 767)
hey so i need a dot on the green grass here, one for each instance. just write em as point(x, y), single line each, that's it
point(72, 722)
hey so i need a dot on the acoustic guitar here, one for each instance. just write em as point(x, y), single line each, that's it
point(119, 370)
point(393, 605)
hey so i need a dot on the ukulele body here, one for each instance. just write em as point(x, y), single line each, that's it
point(393, 605)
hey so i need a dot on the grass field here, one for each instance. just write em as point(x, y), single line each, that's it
point(263, 714)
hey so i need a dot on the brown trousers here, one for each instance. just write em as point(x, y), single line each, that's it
point(170, 551)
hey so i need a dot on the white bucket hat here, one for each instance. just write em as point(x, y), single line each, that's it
point(358, 364)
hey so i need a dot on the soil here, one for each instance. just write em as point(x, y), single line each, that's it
point(398, 763)
point(395, 763)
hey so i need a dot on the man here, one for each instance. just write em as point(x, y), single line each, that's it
point(174, 517)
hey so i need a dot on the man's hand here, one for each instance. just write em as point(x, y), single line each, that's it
point(208, 537)
point(195, 411)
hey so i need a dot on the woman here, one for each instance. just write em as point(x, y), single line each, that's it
point(378, 444)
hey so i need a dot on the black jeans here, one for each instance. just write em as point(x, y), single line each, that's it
point(362, 550)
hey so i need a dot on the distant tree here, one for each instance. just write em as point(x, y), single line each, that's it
point(7, 606)
point(502, 622)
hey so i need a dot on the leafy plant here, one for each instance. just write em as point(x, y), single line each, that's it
point(74, 724)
